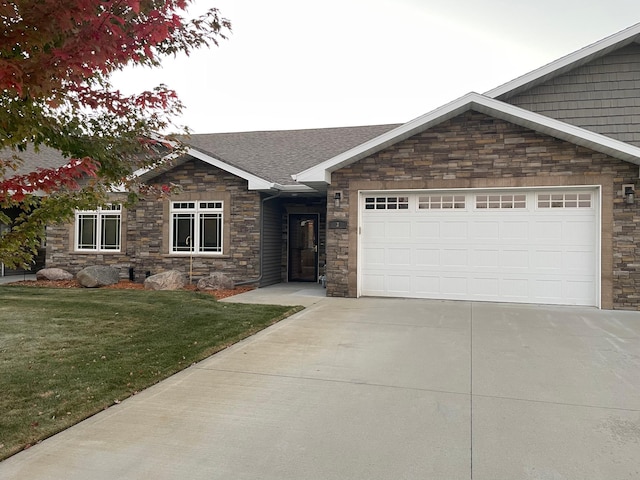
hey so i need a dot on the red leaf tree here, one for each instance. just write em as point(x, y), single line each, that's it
point(56, 58)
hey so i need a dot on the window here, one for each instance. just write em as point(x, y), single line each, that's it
point(438, 202)
point(386, 203)
point(196, 227)
point(564, 200)
point(501, 201)
point(99, 230)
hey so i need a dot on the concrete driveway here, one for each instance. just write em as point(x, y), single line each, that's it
point(381, 389)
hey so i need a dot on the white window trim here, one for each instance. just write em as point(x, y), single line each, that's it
point(197, 210)
point(99, 213)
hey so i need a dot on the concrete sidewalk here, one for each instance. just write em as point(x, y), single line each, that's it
point(17, 278)
point(381, 389)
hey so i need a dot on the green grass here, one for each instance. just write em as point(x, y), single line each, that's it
point(66, 354)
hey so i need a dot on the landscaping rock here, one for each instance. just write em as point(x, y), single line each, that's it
point(53, 274)
point(170, 280)
point(98, 276)
point(215, 281)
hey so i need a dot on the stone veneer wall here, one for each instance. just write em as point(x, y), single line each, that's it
point(474, 150)
point(145, 230)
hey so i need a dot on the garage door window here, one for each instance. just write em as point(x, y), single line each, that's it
point(438, 202)
point(564, 200)
point(501, 201)
point(386, 203)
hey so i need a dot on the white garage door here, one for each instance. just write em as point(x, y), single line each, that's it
point(507, 246)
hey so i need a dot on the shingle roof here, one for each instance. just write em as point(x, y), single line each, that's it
point(276, 155)
point(271, 155)
point(31, 160)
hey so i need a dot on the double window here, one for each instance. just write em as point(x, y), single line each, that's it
point(196, 226)
point(99, 230)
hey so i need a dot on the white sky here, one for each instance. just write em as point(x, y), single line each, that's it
point(293, 64)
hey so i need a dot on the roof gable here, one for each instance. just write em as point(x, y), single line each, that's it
point(566, 63)
point(320, 175)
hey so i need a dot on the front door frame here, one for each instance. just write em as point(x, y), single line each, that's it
point(316, 217)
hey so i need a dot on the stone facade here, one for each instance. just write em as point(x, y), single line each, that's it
point(145, 230)
point(474, 150)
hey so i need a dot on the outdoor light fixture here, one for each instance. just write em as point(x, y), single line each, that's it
point(629, 194)
point(336, 197)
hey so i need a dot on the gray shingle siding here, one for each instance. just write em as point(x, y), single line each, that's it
point(271, 243)
point(602, 96)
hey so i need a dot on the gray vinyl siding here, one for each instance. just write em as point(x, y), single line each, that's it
point(602, 96)
point(272, 243)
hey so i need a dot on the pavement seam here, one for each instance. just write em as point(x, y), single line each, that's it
point(471, 390)
point(330, 380)
point(549, 402)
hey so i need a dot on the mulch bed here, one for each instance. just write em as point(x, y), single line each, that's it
point(127, 285)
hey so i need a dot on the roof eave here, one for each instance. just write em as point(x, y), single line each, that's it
point(254, 182)
point(566, 63)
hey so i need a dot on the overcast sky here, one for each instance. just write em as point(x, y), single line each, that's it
point(292, 64)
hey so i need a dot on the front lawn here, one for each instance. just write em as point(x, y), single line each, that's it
point(66, 354)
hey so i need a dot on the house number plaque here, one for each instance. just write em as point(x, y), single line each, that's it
point(333, 224)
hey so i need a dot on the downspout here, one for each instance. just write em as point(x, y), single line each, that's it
point(259, 278)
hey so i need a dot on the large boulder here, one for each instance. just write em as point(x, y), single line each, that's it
point(215, 281)
point(53, 274)
point(98, 276)
point(169, 280)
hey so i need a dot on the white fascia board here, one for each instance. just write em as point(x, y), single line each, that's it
point(473, 101)
point(294, 188)
point(255, 182)
point(556, 128)
point(569, 62)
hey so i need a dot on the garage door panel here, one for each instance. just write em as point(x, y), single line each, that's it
point(514, 289)
point(485, 258)
point(456, 286)
point(579, 291)
point(514, 230)
point(547, 258)
point(454, 257)
point(375, 257)
point(398, 257)
point(578, 232)
point(399, 284)
point(427, 257)
point(375, 230)
point(486, 287)
point(578, 262)
point(426, 230)
point(398, 231)
point(525, 254)
point(454, 230)
point(485, 230)
point(547, 230)
point(427, 286)
point(511, 259)
point(373, 283)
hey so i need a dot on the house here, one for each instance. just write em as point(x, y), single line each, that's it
point(46, 158)
point(522, 194)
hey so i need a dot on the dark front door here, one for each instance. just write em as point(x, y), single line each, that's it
point(303, 247)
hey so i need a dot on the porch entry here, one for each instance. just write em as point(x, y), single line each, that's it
point(303, 247)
